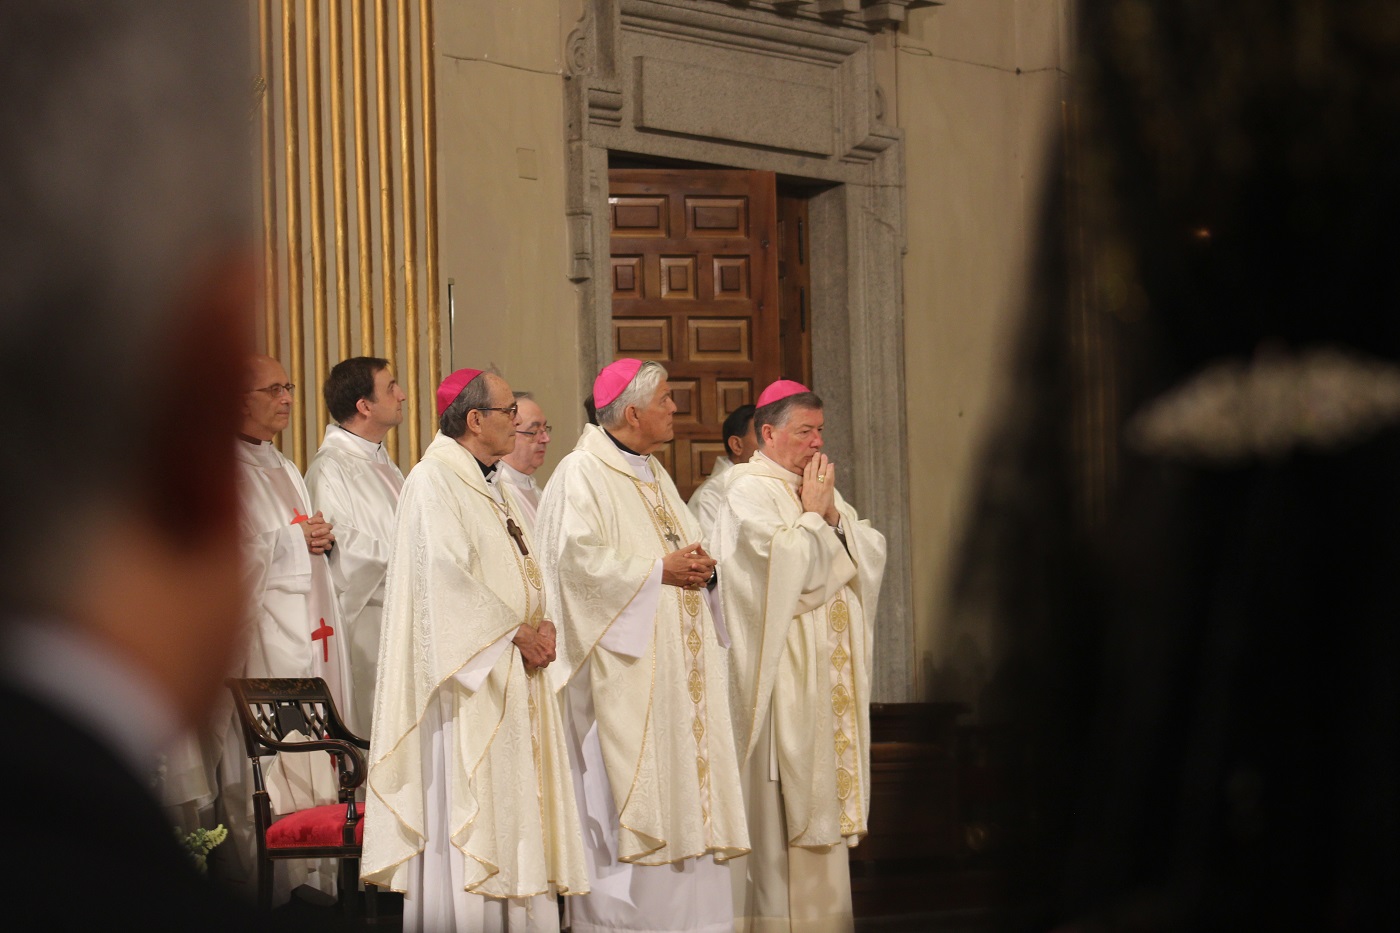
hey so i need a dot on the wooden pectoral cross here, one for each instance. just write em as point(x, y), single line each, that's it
point(514, 531)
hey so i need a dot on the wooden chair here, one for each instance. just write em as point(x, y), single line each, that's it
point(269, 709)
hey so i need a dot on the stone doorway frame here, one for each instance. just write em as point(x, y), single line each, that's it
point(786, 88)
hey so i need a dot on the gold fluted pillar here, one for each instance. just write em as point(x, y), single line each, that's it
point(386, 195)
point(410, 219)
point(363, 242)
point(292, 176)
point(430, 218)
point(343, 247)
point(268, 159)
point(338, 179)
point(315, 170)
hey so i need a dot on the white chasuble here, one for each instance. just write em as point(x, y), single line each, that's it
point(469, 807)
point(355, 487)
point(800, 604)
point(647, 671)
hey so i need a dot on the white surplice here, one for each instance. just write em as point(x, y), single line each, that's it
point(469, 810)
point(355, 486)
point(653, 752)
point(705, 500)
point(800, 600)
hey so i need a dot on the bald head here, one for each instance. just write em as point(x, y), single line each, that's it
point(267, 402)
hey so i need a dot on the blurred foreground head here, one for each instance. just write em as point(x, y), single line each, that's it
point(125, 290)
point(1187, 533)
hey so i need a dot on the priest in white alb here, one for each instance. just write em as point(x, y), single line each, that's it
point(643, 650)
point(516, 471)
point(295, 628)
point(469, 810)
point(739, 444)
point(801, 580)
point(355, 485)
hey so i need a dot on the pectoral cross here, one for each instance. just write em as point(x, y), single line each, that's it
point(323, 635)
point(670, 535)
point(514, 531)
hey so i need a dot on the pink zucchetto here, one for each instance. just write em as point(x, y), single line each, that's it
point(777, 391)
point(452, 387)
point(613, 379)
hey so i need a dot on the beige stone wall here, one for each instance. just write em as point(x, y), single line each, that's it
point(500, 83)
point(976, 137)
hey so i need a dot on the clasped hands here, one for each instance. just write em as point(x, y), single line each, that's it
point(818, 490)
point(689, 568)
point(319, 537)
point(536, 644)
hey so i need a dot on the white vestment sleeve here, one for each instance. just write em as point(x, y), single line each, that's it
point(712, 597)
point(631, 633)
point(473, 675)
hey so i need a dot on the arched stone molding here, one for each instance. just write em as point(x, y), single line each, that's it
point(789, 88)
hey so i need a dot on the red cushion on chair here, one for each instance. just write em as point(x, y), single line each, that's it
point(316, 826)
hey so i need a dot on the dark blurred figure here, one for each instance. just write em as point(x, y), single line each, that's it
point(126, 284)
point(1190, 527)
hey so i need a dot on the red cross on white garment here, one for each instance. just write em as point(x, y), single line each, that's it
point(323, 635)
point(298, 517)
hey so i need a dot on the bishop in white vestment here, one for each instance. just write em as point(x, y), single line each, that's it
point(642, 649)
point(356, 487)
point(469, 810)
point(801, 580)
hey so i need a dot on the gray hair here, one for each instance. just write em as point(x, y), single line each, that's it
point(777, 413)
point(638, 392)
point(474, 394)
point(126, 153)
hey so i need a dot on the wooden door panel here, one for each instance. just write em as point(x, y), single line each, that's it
point(695, 286)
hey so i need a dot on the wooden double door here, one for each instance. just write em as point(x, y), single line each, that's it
point(696, 257)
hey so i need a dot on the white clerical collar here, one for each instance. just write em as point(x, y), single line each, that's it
point(347, 438)
point(640, 464)
point(510, 474)
point(263, 454)
point(73, 672)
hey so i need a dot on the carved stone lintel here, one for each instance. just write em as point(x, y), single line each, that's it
point(873, 15)
point(605, 106)
point(869, 148)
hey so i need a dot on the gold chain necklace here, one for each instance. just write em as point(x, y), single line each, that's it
point(661, 518)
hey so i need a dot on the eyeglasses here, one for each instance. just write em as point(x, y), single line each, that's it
point(546, 429)
point(510, 411)
point(277, 388)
